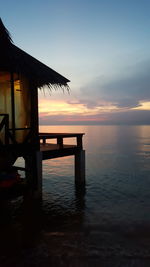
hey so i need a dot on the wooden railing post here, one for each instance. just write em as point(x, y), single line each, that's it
point(44, 140)
point(60, 141)
point(5, 123)
point(79, 141)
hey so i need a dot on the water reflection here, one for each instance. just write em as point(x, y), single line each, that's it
point(118, 166)
point(114, 205)
point(25, 221)
point(64, 212)
point(80, 192)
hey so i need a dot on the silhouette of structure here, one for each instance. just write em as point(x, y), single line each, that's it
point(20, 77)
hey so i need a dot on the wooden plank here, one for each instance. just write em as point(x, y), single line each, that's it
point(51, 147)
point(56, 135)
point(16, 129)
point(50, 151)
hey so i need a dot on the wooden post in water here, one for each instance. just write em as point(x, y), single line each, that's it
point(80, 167)
point(33, 166)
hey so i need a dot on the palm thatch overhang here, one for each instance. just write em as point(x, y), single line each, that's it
point(15, 59)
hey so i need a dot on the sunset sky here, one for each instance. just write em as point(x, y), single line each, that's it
point(102, 46)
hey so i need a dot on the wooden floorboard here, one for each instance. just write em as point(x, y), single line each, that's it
point(51, 147)
point(50, 151)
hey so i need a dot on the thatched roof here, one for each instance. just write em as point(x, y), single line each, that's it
point(14, 59)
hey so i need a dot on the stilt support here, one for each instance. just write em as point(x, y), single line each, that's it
point(33, 166)
point(80, 167)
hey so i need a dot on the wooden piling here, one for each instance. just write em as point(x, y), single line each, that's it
point(80, 167)
point(33, 167)
point(33, 162)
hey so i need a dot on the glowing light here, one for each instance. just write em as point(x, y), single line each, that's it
point(49, 108)
point(143, 106)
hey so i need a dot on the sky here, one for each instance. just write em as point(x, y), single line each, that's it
point(101, 46)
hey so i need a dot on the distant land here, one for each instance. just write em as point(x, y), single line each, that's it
point(92, 123)
point(126, 117)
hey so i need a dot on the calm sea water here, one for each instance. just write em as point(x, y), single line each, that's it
point(117, 176)
point(110, 217)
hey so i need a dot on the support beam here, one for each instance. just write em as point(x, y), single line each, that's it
point(12, 104)
point(33, 167)
point(39, 173)
point(34, 116)
point(80, 167)
point(79, 141)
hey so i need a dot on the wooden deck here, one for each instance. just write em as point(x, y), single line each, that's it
point(59, 149)
point(50, 151)
point(33, 161)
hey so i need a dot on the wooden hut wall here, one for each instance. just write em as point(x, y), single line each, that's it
point(22, 107)
point(5, 101)
point(15, 100)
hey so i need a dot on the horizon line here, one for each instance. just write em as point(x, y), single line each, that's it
point(91, 124)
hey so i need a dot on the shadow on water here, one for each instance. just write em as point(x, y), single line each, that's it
point(38, 233)
point(20, 227)
point(26, 223)
point(34, 234)
point(57, 217)
point(80, 192)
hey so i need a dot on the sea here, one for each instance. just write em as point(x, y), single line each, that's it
point(106, 221)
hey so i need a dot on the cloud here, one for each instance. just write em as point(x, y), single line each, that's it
point(126, 90)
point(126, 117)
point(105, 100)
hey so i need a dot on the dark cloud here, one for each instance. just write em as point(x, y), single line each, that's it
point(130, 117)
point(125, 90)
point(88, 103)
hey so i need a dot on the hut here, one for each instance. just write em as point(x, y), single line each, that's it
point(20, 77)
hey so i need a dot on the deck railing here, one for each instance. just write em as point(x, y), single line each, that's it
point(5, 124)
point(60, 136)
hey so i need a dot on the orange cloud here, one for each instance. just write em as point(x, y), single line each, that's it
point(49, 107)
point(143, 106)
